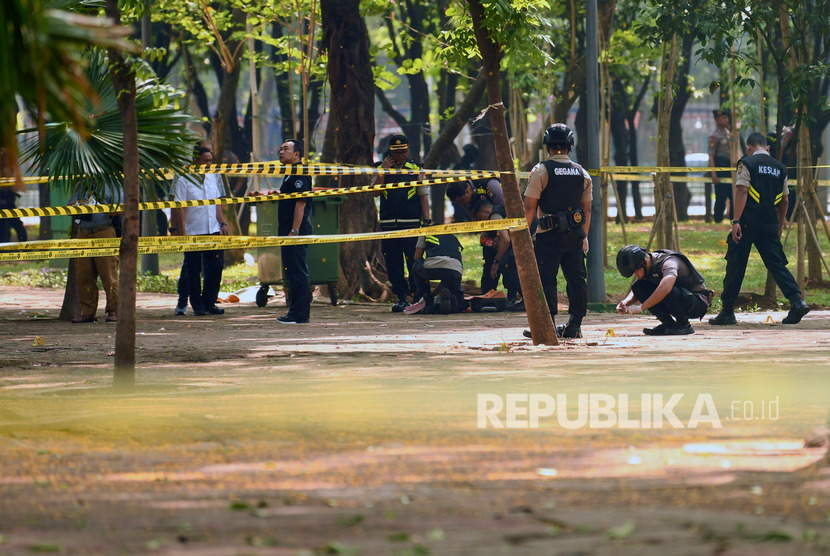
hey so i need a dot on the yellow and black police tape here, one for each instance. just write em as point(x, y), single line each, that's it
point(274, 168)
point(104, 247)
point(93, 209)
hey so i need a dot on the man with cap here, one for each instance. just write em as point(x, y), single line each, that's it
point(402, 208)
point(760, 211)
point(559, 194)
point(719, 156)
point(667, 284)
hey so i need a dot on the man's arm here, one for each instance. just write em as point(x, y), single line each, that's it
point(299, 212)
point(419, 254)
point(782, 213)
point(741, 194)
point(223, 224)
point(425, 207)
point(530, 205)
point(181, 217)
point(663, 289)
point(715, 178)
point(783, 207)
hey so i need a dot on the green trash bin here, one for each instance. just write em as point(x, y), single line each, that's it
point(323, 258)
point(269, 259)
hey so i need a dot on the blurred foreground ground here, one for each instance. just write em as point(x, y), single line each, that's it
point(360, 434)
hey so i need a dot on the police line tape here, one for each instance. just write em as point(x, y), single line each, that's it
point(100, 209)
point(274, 168)
point(105, 247)
point(685, 179)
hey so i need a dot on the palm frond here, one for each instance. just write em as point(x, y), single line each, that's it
point(77, 161)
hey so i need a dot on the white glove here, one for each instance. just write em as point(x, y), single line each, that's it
point(635, 309)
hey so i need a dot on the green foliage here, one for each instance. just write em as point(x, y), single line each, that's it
point(524, 29)
point(41, 59)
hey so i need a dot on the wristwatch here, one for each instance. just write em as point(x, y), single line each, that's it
point(736, 221)
point(223, 224)
point(427, 221)
point(294, 232)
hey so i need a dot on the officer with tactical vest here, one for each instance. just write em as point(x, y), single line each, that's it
point(668, 285)
point(559, 194)
point(401, 209)
point(438, 258)
point(760, 211)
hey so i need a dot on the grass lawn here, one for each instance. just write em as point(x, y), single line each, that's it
point(704, 244)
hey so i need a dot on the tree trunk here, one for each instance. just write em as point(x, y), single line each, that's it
point(284, 91)
point(444, 142)
point(456, 123)
point(123, 78)
point(677, 150)
point(350, 74)
point(663, 198)
point(225, 116)
point(71, 306)
point(538, 315)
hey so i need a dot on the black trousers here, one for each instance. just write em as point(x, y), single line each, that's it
point(765, 239)
point(182, 286)
point(507, 271)
point(399, 253)
point(211, 264)
point(488, 255)
point(680, 303)
point(9, 224)
point(450, 280)
point(295, 266)
point(723, 191)
point(555, 249)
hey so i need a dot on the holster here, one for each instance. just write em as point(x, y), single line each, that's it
point(562, 221)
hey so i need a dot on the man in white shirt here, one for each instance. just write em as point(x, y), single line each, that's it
point(203, 220)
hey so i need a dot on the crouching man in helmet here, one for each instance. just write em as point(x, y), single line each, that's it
point(667, 285)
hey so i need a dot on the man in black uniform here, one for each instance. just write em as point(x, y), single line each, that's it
point(559, 193)
point(401, 209)
point(294, 219)
point(667, 284)
point(465, 194)
point(438, 258)
point(499, 259)
point(760, 211)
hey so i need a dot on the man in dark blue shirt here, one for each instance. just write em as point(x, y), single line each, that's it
point(294, 217)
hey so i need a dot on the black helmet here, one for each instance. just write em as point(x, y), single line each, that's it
point(559, 134)
point(630, 258)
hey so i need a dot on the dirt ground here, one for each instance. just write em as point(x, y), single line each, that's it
point(367, 432)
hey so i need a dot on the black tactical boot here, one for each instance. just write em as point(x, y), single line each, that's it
point(680, 329)
point(571, 330)
point(798, 308)
point(666, 322)
point(726, 316)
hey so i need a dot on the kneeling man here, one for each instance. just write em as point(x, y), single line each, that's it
point(667, 284)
